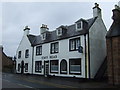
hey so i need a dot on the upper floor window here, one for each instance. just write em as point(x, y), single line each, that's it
point(19, 54)
point(43, 36)
point(54, 47)
point(79, 25)
point(27, 53)
point(39, 50)
point(74, 44)
point(59, 31)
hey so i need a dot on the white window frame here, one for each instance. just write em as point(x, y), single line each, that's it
point(81, 23)
point(43, 36)
point(59, 32)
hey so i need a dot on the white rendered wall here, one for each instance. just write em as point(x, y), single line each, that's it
point(64, 53)
point(24, 44)
point(97, 45)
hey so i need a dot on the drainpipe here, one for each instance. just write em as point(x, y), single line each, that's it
point(32, 57)
point(85, 57)
point(89, 56)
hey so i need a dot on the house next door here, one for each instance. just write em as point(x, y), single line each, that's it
point(46, 68)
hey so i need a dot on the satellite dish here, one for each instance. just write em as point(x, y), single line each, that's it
point(80, 49)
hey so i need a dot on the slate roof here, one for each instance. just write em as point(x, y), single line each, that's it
point(114, 30)
point(70, 31)
point(115, 27)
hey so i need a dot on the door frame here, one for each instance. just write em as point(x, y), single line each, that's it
point(46, 74)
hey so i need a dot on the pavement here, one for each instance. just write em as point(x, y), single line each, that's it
point(37, 81)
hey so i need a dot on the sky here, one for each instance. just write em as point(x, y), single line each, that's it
point(16, 15)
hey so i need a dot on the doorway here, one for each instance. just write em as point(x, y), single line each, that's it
point(46, 68)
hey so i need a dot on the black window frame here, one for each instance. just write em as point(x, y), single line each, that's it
point(38, 51)
point(51, 66)
point(53, 48)
point(19, 54)
point(80, 73)
point(65, 71)
point(27, 53)
point(26, 67)
point(75, 43)
point(37, 69)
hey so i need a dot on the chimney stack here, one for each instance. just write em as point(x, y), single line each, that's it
point(96, 11)
point(43, 28)
point(26, 30)
point(116, 14)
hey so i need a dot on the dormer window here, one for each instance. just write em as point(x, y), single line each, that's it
point(59, 31)
point(43, 36)
point(79, 26)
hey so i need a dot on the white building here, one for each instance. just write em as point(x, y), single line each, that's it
point(77, 50)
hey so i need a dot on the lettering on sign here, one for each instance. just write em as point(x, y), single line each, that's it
point(44, 57)
point(49, 57)
point(55, 56)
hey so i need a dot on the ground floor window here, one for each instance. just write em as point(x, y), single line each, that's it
point(75, 66)
point(38, 66)
point(26, 67)
point(54, 66)
point(19, 67)
point(63, 67)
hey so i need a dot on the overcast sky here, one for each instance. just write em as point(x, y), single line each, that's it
point(15, 16)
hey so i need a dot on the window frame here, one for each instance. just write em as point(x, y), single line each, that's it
point(59, 31)
point(74, 72)
point(52, 71)
point(63, 71)
point(54, 48)
point(74, 47)
point(81, 25)
point(39, 52)
point(26, 67)
point(19, 54)
point(38, 68)
point(27, 53)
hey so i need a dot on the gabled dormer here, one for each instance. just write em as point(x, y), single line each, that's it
point(43, 30)
point(61, 30)
point(80, 24)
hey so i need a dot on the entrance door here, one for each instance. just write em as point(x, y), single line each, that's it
point(46, 68)
point(22, 67)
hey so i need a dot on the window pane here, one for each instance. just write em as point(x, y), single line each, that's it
point(19, 54)
point(75, 65)
point(54, 65)
point(27, 53)
point(56, 47)
point(77, 43)
point(72, 44)
point(78, 25)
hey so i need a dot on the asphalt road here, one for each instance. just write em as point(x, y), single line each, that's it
point(36, 82)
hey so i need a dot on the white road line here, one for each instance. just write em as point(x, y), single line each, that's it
point(18, 84)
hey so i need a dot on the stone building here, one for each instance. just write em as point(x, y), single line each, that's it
point(6, 62)
point(113, 48)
